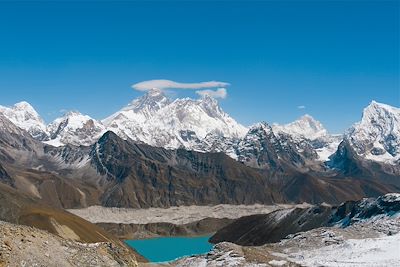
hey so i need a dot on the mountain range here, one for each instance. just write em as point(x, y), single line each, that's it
point(157, 152)
point(201, 125)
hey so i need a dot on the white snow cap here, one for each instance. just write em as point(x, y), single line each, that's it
point(306, 127)
point(159, 121)
point(377, 135)
point(24, 116)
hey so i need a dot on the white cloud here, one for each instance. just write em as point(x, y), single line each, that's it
point(167, 84)
point(301, 107)
point(219, 93)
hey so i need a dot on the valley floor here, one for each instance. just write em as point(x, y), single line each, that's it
point(176, 215)
point(174, 221)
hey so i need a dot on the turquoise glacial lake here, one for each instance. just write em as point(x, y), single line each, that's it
point(166, 249)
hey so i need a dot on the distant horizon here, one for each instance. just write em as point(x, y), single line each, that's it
point(65, 112)
point(268, 61)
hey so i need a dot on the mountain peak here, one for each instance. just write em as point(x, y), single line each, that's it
point(211, 106)
point(309, 121)
point(153, 100)
point(27, 110)
point(23, 105)
point(306, 126)
point(307, 117)
point(74, 128)
point(377, 113)
point(260, 125)
point(376, 136)
point(154, 92)
point(379, 109)
point(207, 97)
point(72, 113)
point(23, 115)
point(108, 135)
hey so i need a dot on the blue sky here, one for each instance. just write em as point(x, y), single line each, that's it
point(331, 57)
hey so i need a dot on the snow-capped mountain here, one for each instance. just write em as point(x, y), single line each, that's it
point(258, 147)
point(158, 121)
point(139, 110)
point(312, 131)
point(377, 136)
point(304, 127)
point(25, 116)
point(262, 147)
point(201, 125)
point(76, 129)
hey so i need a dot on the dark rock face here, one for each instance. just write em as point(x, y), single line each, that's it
point(262, 148)
point(143, 176)
point(343, 160)
point(260, 229)
point(139, 175)
point(348, 164)
point(270, 228)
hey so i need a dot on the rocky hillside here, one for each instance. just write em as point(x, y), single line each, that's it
point(366, 243)
point(273, 227)
point(27, 246)
point(256, 230)
point(18, 208)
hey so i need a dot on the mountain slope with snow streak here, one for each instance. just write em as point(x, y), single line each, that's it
point(74, 128)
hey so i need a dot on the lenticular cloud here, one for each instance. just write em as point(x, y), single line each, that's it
point(168, 84)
